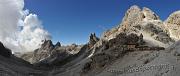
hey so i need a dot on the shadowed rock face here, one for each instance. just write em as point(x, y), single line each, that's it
point(123, 39)
point(4, 51)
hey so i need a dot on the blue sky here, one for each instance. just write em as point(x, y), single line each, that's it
point(71, 21)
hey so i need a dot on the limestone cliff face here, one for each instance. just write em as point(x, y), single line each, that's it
point(173, 25)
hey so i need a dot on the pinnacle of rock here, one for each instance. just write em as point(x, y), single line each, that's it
point(47, 44)
point(93, 39)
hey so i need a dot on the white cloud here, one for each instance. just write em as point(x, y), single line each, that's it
point(20, 30)
point(10, 13)
point(32, 33)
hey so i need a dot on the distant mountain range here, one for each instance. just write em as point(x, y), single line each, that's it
point(141, 45)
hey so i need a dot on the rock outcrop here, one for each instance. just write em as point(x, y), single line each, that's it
point(5, 51)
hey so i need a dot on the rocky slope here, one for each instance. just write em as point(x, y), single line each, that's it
point(141, 45)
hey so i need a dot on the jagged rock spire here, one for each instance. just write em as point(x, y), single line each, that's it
point(47, 44)
point(93, 39)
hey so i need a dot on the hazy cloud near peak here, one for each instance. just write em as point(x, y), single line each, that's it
point(10, 14)
point(20, 30)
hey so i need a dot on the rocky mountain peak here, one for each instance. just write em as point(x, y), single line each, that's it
point(43, 52)
point(173, 25)
point(174, 18)
point(133, 15)
point(47, 44)
point(134, 7)
point(58, 44)
point(135, 19)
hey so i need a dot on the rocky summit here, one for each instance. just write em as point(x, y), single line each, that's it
point(141, 45)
